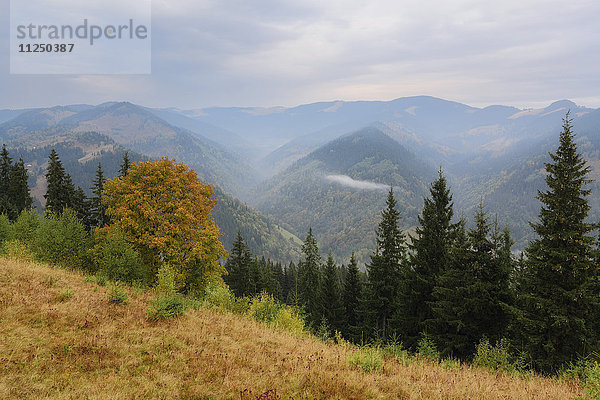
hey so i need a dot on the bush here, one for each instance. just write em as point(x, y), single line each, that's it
point(496, 358)
point(592, 381)
point(366, 358)
point(218, 295)
point(17, 250)
point(427, 349)
point(264, 308)
point(166, 306)
point(26, 226)
point(289, 320)
point(64, 295)
point(62, 240)
point(117, 295)
point(587, 372)
point(117, 260)
point(168, 303)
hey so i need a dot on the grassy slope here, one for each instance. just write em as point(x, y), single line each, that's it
point(85, 347)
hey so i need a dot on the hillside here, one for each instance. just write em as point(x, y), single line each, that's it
point(80, 154)
point(139, 130)
point(81, 346)
point(340, 189)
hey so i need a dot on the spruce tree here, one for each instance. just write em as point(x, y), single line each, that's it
point(352, 293)
point(125, 165)
point(290, 289)
point(472, 296)
point(6, 206)
point(451, 306)
point(556, 310)
point(331, 296)
point(238, 267)
point(385, 266)
point(57, 196)
point(309, 281)
point(97, 210)
point(19, 187)
point(429, 258)
point(79, 203)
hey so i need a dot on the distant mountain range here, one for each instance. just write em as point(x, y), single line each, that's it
point(299, 165)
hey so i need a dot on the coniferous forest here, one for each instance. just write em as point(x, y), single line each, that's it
point(450, 286)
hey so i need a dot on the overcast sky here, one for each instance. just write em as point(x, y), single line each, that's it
point(525, 53)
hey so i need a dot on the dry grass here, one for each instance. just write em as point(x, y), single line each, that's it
point(85, 347)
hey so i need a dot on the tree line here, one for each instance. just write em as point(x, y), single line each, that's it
point(456, 285)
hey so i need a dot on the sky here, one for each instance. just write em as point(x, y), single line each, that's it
point(524, 53)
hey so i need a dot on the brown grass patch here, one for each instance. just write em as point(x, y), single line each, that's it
point(86, 347)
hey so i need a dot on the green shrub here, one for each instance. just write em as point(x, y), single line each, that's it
point(166, 306)
point(496, 358)
point(366, 358)
point(289, 320)
point(117, 295)
point(586, 371)
point(117, 260)
point(62, 240)
point(26, 225)
point(168, 303)
point(217, 295)
point(592, 381)
point(427, 349)
point(264, 308)
point(16, 249)
point(64, 295)
point(393, 348)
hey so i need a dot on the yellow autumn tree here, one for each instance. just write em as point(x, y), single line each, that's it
point(164, 211)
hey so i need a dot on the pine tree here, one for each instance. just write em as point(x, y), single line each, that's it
point(385, 266)
point(79, 202)
point(6, 205)
point(352, 293)
point(57, 194)
point(472, 296)
point(309, 281)
point(290, 289)
point(331, 296)
point(98, 210)
point(555, 315)
point(238, 266)
point(452, 305)
point(125, 165)
point(19, 187)
point(430, 257)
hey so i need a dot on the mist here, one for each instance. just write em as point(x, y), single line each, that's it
point(345, 180)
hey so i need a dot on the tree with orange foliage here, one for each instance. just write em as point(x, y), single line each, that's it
point(162, 209)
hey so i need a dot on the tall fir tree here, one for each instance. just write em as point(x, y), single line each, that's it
point(331, 296)
point(290, 289)
point(555, 309)
point(6, 205)
point(125, 165)
point(472, 296)
point(97, 210)
point(385, 267)
point(351, 295)
point(429, 258)
point(19, 188)
point(238, 268)
point(60, 191)
point(309, 281)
